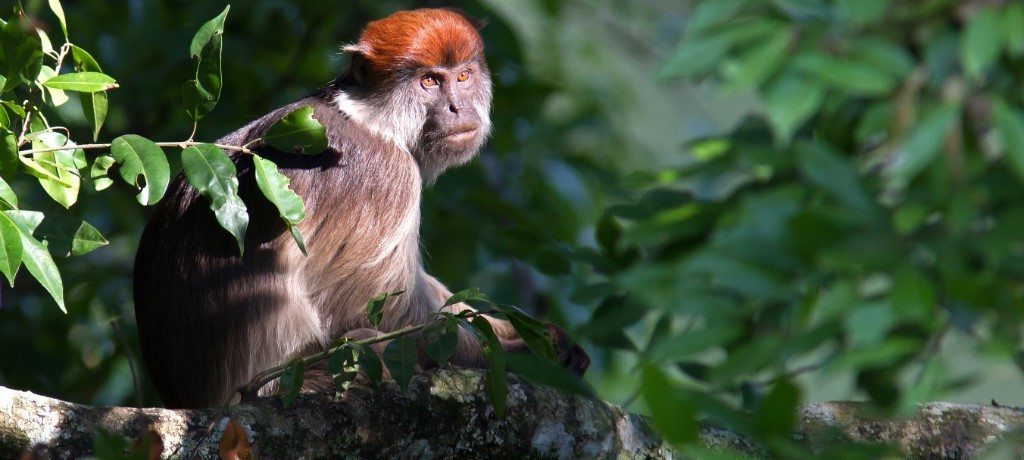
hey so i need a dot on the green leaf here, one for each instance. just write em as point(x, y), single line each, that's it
point(23, 52)
point(852, 76)
point(789, 102)
point(107, 445)
point(375, 306)
point(57, 96)
point(400, 356)
point(609, 233)
point(213, 174)
point(291, 381)
point(834, 173)
point(672, 415)
point(694, 57)
point(497, 386)
point(201, 94)
point(8, 153)
point(298, 132)
point(981, 42)
point(69, 236)
point(759, 63)
point(36, 258)
point(274, 186)
point(297, 236)
point(5, 119)
point(465, 295)
point(678, 347)
point(63, 182)
point(533, 332)
point(46, 44)
point(10, 248)
point(198, 101)
point(924, 143)
point(143, 165)
point(99, 170)
point(84, 60)
point(700, 53)
point(442, 339)
point(777, 414)
point(17, 109)
point(1010, 125)
point(710, 13)
point(58, 10)
point(343, 366)
point(8, 200)
point(369, 362)
point(863, 12)
point(913, 295)
point(37, 170)
point(548, 373)
point(746, 359)
point(1013, 27)
point(207, 32)
point(94, 105)
point(884, 55)
point(83, 82)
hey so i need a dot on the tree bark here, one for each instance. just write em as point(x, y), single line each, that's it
point(446, 414)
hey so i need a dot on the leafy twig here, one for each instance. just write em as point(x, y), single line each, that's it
point(249, 390)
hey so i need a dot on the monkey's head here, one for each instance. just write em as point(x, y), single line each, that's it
point(419, 79)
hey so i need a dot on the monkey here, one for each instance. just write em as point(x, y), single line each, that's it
point(414, 101)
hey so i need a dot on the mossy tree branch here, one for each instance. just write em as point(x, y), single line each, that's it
point(447, 414)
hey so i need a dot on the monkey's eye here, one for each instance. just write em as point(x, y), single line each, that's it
point(463, 76)
point(428, 81)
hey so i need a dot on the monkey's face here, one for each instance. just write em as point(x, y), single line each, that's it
point(418, 78)
point(457, 103)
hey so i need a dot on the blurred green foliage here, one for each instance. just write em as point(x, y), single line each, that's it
point(736, 205)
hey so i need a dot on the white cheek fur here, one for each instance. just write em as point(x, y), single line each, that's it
point(399, 121)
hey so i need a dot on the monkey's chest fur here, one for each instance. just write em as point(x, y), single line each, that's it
point(209, 319)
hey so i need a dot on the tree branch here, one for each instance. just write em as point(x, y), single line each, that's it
point(446, 414)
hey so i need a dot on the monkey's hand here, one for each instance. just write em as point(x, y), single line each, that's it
point(569, 354)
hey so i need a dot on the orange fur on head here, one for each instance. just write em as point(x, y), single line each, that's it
point(426, 37)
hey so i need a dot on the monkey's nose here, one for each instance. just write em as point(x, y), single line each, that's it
point(454, 107)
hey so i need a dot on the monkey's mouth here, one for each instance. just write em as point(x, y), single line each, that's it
point(461, 134)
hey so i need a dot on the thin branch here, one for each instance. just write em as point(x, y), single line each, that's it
point(60, 57)
point(131, 360)
point(182, 144)
point(933, 348)
point(24, 124)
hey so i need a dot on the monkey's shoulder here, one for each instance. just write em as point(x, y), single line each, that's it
point(349, 144)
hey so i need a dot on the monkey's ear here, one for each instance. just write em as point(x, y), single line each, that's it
point(355, 49)
point(357, 67)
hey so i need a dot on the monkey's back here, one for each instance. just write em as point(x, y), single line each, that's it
point(209, 319)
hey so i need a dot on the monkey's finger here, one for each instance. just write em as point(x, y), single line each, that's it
point(579, 361)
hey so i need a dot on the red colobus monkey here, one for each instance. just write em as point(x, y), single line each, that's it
point(414, 102)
